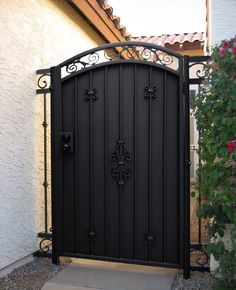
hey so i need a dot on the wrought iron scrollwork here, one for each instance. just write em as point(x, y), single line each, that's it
point(43, 81)
point(150, 92)
point(199, 257)
point(200, 71)
point(43, 89)
point(90, 95)
point(122, 51)
point(78, 64)
point(149, 239)
point(198, 67)
point(44, 245)
point(92, 235)
point(74, 66)
point(121, 156)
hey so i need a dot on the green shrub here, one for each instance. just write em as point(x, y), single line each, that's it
point(215, 111)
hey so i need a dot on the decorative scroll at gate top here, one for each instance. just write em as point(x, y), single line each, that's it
point(122, 51)
point(121, 156)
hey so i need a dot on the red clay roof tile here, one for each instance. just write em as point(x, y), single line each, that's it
point(172, 38)
point(115, 19)
point(160, 40)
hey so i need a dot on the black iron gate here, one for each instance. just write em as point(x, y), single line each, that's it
point(120, 158)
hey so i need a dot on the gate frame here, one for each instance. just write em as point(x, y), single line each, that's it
point(187, 163)
point(56, 159)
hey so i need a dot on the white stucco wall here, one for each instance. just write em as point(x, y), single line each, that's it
point(34, 34)
point(223, 15)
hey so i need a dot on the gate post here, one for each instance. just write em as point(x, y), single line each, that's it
point(56, 163)
point(186, 270)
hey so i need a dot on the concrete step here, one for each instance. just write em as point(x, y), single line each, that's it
point(99, 275)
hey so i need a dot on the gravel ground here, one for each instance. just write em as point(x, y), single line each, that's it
point(198, 280)
point(33, 275)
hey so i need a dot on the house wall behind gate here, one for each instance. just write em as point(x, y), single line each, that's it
point(34, 34)
point(223, 20)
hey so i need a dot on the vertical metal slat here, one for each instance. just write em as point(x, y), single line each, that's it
point(150, 167)
point(164, 167)
point(76, 162)
point(106, 157)
point(91, 165)
point(135, 234)
point(121, 139)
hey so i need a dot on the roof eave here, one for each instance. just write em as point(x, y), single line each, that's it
point(98, 19)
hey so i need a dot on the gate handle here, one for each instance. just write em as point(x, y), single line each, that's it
point(67, 142)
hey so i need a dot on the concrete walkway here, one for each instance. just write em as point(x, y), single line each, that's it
point(99, 275)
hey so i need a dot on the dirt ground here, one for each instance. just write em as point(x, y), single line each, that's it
point(197, 257)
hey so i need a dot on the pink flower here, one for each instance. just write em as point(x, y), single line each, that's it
point(230, 146)
point(222, 51)
point(234, 49)
point(225, 44)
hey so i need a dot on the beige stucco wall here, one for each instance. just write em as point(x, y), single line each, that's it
point(34, 34)
point(221, 21)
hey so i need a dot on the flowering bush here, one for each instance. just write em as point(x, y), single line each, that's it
point(215, 111)
point(231, 146)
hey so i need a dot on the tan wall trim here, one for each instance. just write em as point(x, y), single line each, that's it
point(208, 26)
point(196, 52)
point(99, 19)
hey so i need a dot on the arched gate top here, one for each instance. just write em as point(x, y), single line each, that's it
point(117, 51)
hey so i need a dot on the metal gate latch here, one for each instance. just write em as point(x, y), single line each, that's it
point(67, 142)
